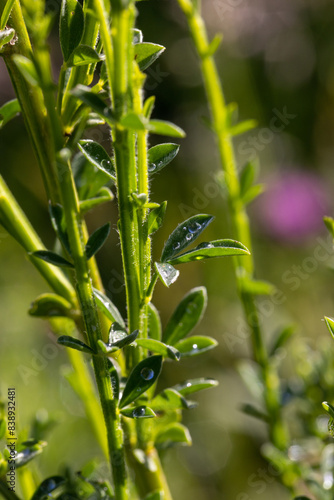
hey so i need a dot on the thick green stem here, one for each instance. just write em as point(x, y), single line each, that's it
point(240, 223)
point(90, 317)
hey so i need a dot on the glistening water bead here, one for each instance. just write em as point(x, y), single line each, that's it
point(205, 245)
point(139, 411)
point(147, 373)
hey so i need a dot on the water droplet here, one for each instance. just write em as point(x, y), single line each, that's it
point(194, 227)
point(176, 246)
point(139, 411)
point(205, 244)
point(189, 237)
point(147, 373)
point(188, 384)
point(152, 167)
point(106, 164)
point(185, 228)
point(195, 347)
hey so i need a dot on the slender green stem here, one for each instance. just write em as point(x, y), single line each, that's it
point(243, 267)
point(90, 317)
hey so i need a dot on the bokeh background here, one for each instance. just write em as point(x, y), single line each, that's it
point(277, 63)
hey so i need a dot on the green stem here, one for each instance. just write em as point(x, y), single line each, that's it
point(240, 223)
point(27, 482)
point(93, 329)
point(6, 493)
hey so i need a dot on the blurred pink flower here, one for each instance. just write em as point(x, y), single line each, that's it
point(293, 206)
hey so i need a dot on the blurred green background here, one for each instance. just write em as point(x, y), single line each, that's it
point(277, 63)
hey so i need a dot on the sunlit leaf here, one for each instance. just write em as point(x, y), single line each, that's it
point(168, 129)
point(97, 155)
point(50, 305)
point(108, 307)
point(73, 343)
point(169, 399)
point(82, 56)
point(155, 218)
point(120, 340)
point(8, 111)
point(71, 26)
point(192, 346)
point(97, 240)
point(174, 434)
point(161, 155)
point(134, 121)
point(142, 377)
point(195, 385)
point(209, 250)
point(147, 53)
point(185, 234)
point(253, 193)
point(103, 196)
point(138, 412)
point(6, 13)
point(6, 36)
point(256, 287)
point(167, 273)
point(165, 350)
point(243, 127)
point(186, 316)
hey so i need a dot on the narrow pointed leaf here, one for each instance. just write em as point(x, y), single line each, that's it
point(52, 258)
point(167, 273)
point(243, 127)
point(195, 385)
point(142, 377)
point(168, 129)
point(192, 346)
point(161, 155)
point(185, 234)
point(256, 287)
point(8, 111)
point(330, 325)
point(138, 412)
point(82, 56)
point(155, 218)
point(252, 411)
point(73, 343)
point(148, 107)
point(167, 351)
point(209, 250)
point(214, 45)
point(154, 327)
point(27, 68)
point(71, 26)
point(123, 340)
point(97, 240)
point(98, 156)
point(247, 177)
point(328, 408)
point(147, 53)
point(48, 486)
point(50, 305)
point(108, 308)
point(94, 101)
point(56, 214)
point(6, 13)
point(253, 193)
point(6, 36)
point(281, 339)
point(174, 434)
point(186, 316)
point(103, 196)
point(114, 379)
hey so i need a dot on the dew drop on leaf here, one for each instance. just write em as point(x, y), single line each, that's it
point(139, 412)
point(205, 245)
point(147, 373)
point(152, 167)
point(176, 246)
point(189, 237)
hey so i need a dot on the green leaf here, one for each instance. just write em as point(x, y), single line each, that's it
point(48, 486)
point(73, 343)
point(50, 305)
point(283, 336)
point(253, 193)
point(108, 308)
point(161, 155)
point(185, 234)
point(155, 218)
point(114, 379)
point(103, 196)
point(156, 495)
point(161, 127)
point(208, 250)
point(98, 156)
point(154, 328)
point(142, 377)
point(165, 350)
point(117, 340)
point(248, 176)
point(138, 412)
point(252, 411)
point(149, 106)
point(147, 53)
point(214, 45)
point(91, 99)
point(329, 222)
point(174, 434)
point(243, 127)
point(6, 36)
point(167, 273)
point(192, 346)
point(71, 27)
point(82, 56)
point(330, 325)
point(27, 68)
point(6, 13)
point(134, 121)
point(26, 455)
point(8, 111)
point(328, 408)
point(256, 287)
point(88, 178)
point(186, 316)
point(195, 385)
point(52, 258)
point(97, 240)
point(57, 219)
point(169, 399)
